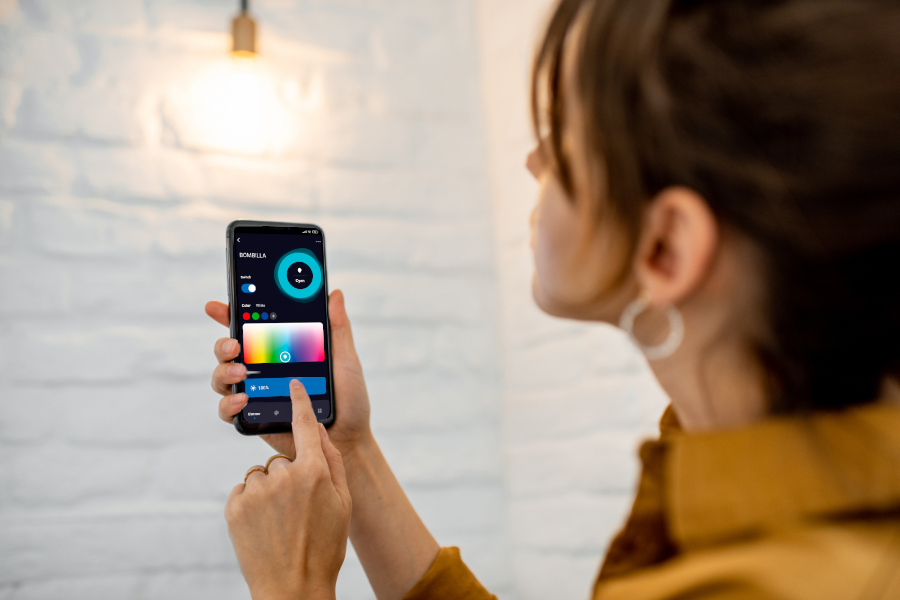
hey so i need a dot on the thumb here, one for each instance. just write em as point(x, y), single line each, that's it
point(335, 466)
point(303, 422)
point(218, 311)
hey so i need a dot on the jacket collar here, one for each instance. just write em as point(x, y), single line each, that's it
point(727, 484)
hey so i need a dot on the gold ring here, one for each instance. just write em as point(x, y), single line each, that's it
point(269, 462)
point(263, 470)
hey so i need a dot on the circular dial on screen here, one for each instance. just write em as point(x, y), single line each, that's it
point(299, 275)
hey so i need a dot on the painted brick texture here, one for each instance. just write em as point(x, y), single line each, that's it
point(127, 144)
point(124, 152)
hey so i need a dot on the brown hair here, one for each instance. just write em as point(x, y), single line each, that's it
point(785, 116)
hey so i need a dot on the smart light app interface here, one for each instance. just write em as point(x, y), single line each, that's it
point(281, 320)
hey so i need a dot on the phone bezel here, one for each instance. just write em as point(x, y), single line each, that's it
point(244, 427)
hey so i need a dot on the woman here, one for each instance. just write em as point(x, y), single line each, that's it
point(722, 179)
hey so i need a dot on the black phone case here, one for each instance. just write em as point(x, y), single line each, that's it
point(243, 427)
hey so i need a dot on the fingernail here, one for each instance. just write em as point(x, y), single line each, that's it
point(229, 346)
point(295, 383)
point(236, 370)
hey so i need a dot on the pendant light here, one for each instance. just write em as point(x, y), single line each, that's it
point(243, 33)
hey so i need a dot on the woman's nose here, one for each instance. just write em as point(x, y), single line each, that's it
point(534, 162)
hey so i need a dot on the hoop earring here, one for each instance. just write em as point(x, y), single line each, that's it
point(672, 341)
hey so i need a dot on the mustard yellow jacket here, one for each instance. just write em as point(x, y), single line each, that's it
point(799, 508)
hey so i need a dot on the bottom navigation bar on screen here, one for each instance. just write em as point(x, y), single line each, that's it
point(280, 412)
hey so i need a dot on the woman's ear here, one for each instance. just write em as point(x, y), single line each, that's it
point(677, 243)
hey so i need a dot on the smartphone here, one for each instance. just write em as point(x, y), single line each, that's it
point(278, 296)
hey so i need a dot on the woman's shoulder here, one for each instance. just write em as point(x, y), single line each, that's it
point(840, 558)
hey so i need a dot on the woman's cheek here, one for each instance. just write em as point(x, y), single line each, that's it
point(550, 285)
point(548, 250)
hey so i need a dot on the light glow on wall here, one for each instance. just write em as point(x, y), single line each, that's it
point(236, 105)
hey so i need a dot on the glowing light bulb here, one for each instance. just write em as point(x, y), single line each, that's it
point(231, 106)
point(239, 104)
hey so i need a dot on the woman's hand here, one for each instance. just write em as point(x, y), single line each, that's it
point(394, 546)
point(351, 398)
point(289, 526)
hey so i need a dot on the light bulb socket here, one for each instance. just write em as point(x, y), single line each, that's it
point(243, 35)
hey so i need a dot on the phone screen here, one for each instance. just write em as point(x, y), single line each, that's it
point(280, 294)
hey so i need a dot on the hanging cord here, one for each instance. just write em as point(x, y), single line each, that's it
point(245, 6)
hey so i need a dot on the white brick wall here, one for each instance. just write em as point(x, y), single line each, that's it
point(114, 196)
point(401, 130)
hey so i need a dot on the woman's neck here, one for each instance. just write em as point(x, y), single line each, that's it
point(711, 398)
point(713, 381)
point(721, 392)
point(890, 391)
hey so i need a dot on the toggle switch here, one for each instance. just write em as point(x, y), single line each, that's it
point(248, 288)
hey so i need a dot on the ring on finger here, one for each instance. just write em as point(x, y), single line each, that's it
point(269, 462)
point(263, 470)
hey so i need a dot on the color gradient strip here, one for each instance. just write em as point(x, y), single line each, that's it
point(283, 343)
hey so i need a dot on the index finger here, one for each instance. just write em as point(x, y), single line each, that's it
point(219, 312)
point(304, 424)
point(226, 349)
